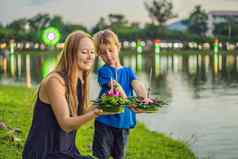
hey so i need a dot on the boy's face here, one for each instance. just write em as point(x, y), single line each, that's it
point(109, 54)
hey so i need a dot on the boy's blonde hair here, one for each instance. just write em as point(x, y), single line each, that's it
point(105, 38)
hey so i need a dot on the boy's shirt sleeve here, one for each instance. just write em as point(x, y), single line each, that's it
point(104, 76)
point(132, 75)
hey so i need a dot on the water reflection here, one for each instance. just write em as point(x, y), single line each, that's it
point(28, 71)
point(3, 66)
point(12, 66)
point(19, 64)
point(197, 67)
point(25, 68)
point(157, 64)
point(139, 62)
point(47, 65)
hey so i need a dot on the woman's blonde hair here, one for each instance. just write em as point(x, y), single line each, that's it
point(105, 38)
point(68, 64)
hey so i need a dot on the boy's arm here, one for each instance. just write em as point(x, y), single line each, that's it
point(140, 91)
point(139, 88)
point(118, 87)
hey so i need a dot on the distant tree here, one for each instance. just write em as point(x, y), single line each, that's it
point(198, 21)
point(125, 31)
point(151, 31)
point(68, 28)
point(5, 33)
point(39, 21)
point(57, 22)
point(37, 24)
point(117, 19)
point(18, 25)
point(160, 11)
point(119, 24)
point(101, 24)
point(135, 24)
point(19, 29)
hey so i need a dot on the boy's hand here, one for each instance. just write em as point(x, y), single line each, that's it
point(147, 101)
point(119, 88)
point(115, 84)
point(138, 110)
point(134, 109)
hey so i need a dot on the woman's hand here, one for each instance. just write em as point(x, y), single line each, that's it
point(97, 111)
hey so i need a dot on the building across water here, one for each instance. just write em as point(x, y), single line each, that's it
point(222, 16)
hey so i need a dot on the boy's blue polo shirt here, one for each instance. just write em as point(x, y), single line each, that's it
point(124, 76)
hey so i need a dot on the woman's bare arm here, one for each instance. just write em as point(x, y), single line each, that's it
point(55, 91)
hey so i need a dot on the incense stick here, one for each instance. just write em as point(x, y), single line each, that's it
point(149, 84)
point(111, 84)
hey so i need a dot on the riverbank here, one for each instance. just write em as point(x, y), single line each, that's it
point(16, 105)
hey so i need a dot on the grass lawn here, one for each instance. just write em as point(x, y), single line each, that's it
point(16, 105)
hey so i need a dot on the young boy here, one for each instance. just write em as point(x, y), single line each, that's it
point(111, 131)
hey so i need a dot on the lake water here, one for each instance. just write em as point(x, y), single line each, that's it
point(201, 89)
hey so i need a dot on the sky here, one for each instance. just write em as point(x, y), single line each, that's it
point(88, 12)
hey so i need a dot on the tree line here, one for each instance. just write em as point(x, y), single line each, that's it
point(159, 11)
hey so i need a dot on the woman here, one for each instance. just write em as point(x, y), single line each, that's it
point(62, 103)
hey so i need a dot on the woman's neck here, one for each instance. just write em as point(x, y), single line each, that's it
point(80, 76)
